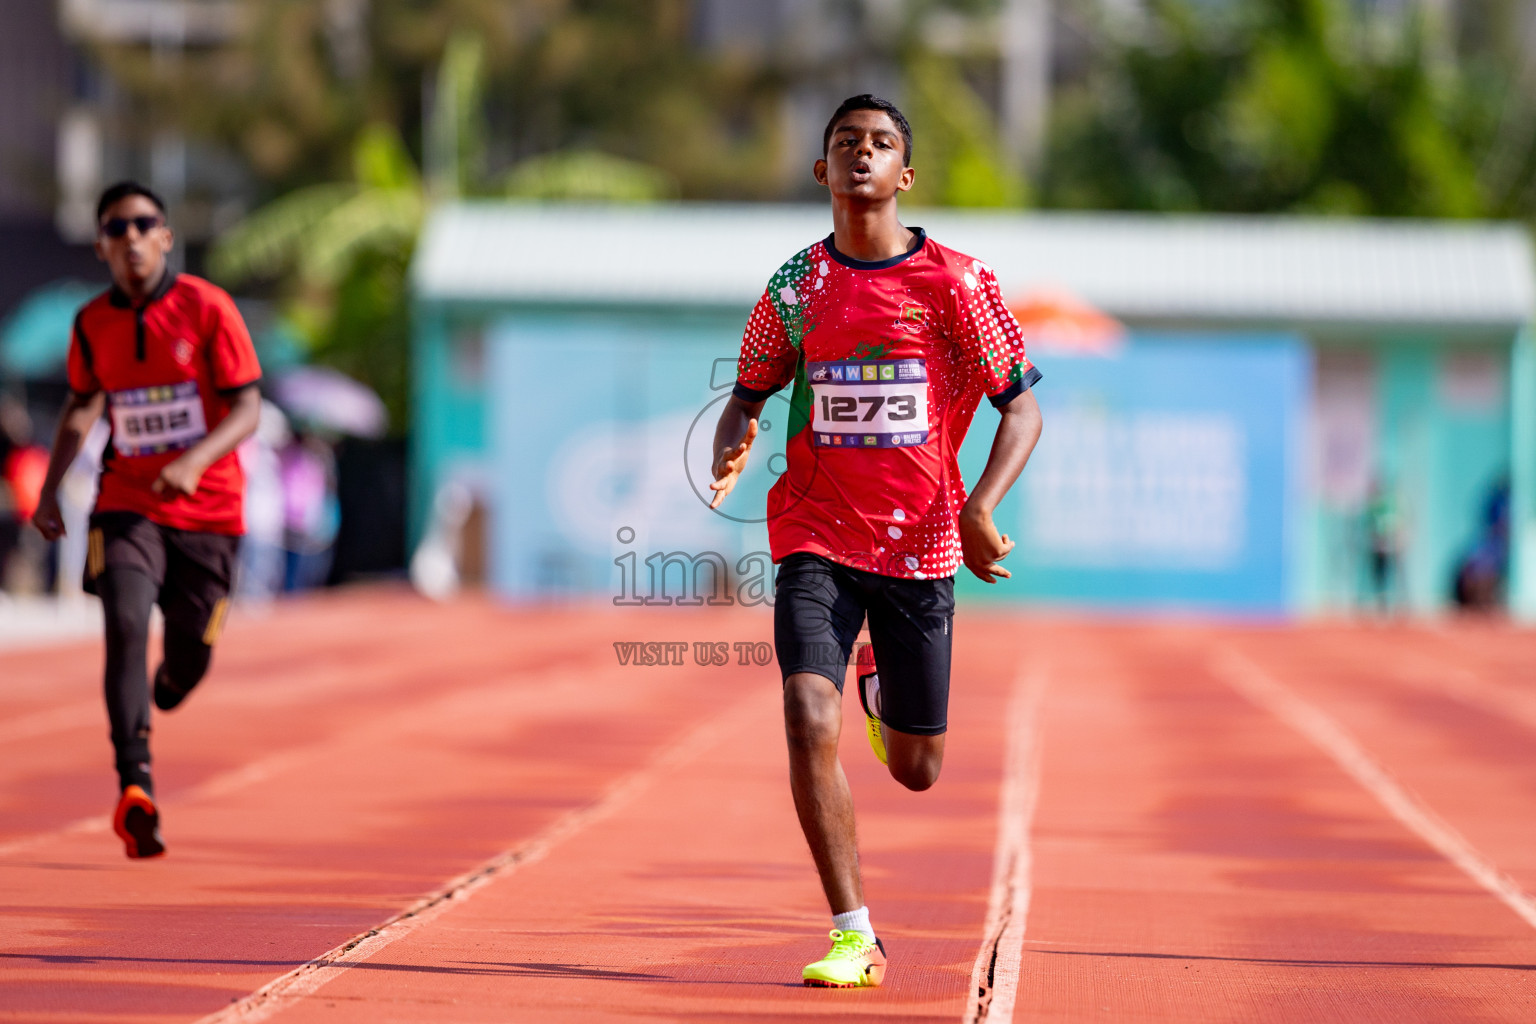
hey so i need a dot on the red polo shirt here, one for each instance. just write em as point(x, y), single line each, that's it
point(169, 368)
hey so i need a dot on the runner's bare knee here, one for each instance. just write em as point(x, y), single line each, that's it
point(812, 711)
point(914, 761)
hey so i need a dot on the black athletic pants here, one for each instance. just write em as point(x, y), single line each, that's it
point(133, 564)
point(126, 598)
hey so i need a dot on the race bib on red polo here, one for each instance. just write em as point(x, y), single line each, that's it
point(869, 403)
point(150, 421)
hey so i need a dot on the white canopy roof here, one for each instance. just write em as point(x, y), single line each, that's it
point(1284, 270)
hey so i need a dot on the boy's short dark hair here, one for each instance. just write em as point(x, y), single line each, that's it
point(122, 190)
point(867, 101)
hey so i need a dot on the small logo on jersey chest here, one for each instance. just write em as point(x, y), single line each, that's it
point(911, 318)
point(183, 351)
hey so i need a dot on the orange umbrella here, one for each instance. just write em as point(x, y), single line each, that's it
point(1057, 320)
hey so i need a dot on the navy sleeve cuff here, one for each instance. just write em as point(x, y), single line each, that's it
point(1016, 389)
point(747, 394)
point(234, 390)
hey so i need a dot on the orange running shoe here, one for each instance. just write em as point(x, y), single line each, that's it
point(137, 823)
point(854, 961)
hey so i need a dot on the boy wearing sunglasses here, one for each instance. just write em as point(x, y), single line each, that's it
point(169, 360)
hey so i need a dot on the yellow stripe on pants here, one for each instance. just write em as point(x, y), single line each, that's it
point(95, 553)
point(216, 622)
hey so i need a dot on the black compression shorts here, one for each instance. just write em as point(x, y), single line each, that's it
point(193, 570)
point(821, 606)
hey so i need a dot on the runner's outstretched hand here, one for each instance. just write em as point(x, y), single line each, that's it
point(47, 517)
point(982, 546)
point(730, 463)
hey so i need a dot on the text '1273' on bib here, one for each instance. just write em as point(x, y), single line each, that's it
point(874, 403)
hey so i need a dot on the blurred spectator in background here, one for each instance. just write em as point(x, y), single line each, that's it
point(1384, 545)
point(1482, 573)
point(26, 565)
point(307, 469)
point(77, 497)
point(10, 518)
point(323, 405)
point(263, 558)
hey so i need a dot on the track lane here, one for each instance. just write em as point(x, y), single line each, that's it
point(276, 685)
point(408, 789)
point(1196, 860)
point(697, 901)
point(1461, 738)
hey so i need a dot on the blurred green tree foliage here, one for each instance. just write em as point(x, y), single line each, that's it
point(353, 116)
point(960, 162)
point(289, 94)
point(1315, 106)
point(342, 251)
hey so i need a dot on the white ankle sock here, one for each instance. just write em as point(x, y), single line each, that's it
point(854, 921)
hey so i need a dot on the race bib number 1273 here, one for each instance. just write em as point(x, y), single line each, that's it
point(148, 421)
point(876, 403)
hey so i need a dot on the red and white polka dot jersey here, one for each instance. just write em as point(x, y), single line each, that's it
point(889, 361)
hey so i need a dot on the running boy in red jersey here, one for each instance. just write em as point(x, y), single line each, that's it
point(169, 359)
point(890, 340)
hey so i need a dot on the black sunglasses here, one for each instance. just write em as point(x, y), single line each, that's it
point(117, 227)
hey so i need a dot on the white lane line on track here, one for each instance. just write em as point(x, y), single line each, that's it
point(480, 700)
point(1264, 690)
point(303, 981)
point(995, 977)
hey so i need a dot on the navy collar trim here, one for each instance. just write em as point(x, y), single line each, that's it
point(119, 298)
point(850, 262)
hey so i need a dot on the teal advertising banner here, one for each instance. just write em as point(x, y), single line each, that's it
point(600, 436)
point(1166, 476)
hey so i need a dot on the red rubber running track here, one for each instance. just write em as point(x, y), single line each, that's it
point(380, 809)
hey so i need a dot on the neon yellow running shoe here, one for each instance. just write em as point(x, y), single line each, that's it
point(869, 697)
point(853, 962)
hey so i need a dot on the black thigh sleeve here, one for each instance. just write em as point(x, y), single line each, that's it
point(817, 616)
point(910, 627)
